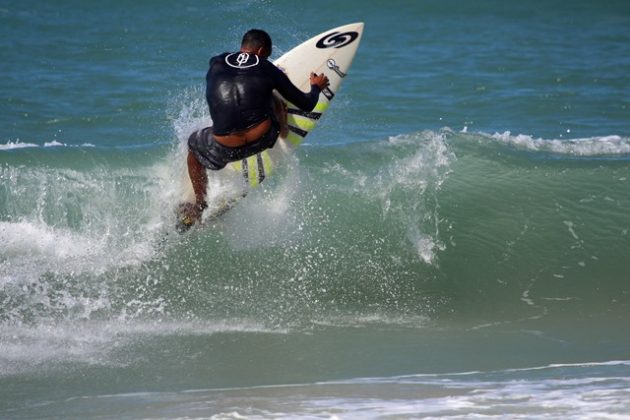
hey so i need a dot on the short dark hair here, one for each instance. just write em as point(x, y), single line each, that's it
point(256, 38)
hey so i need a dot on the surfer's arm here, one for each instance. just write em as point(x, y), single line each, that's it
point(304, 101)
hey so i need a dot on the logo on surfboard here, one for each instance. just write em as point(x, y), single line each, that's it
point(332, 64)
point(337, 39)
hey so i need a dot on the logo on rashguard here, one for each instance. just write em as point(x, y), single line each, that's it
point(337, 39)
point(332, 64)
point(241, 60)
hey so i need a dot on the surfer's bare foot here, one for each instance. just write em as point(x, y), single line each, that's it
point(189, 214)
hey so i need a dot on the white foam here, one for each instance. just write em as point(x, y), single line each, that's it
point(36, 239)
point(10, 145)
point(66, 230)
point(188, 112)
point(16, 145)
point(375, 319)
point(54, 143)
point(419, 176)
point(33, 248)
point(591, 146)
point(25, 349)
point(271, 218)
point(575, 392)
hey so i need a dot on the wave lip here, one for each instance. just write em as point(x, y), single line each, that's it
point(13, 145)
point(612, 145)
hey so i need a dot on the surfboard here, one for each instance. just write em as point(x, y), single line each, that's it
point(330, 52)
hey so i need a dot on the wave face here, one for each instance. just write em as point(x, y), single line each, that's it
point(434, 224)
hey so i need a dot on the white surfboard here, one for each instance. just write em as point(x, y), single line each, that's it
point(331, 53)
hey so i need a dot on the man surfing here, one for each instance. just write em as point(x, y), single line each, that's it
point(246, 118)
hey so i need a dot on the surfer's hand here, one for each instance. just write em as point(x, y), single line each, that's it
point(320, 80)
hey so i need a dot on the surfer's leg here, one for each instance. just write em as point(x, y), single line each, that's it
point(200, 157)
point(203, 153)
point(280, 109)
point(198, 178)
point(190, 213)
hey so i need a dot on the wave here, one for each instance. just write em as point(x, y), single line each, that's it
point(406, 232)
point(423, 225)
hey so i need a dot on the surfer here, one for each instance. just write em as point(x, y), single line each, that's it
point(246, 116)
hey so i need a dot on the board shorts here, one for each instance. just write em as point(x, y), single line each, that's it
point(214, 156)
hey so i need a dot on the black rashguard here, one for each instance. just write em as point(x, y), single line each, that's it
point(239, 90)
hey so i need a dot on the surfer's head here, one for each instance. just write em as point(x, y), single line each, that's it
point(257, 41)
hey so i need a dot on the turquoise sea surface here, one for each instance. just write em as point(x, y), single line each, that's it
point(451, 241)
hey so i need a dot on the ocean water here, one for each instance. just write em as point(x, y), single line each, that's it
point(451, 242)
